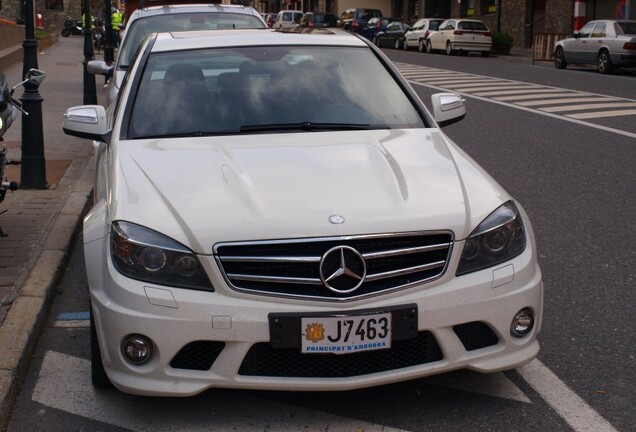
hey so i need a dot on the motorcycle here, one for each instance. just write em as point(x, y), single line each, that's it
point(9, 108)
point(72, 27)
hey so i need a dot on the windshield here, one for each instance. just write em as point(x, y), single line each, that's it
point(267, 89)
point(139, 28)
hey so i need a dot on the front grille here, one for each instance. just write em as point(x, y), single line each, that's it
point(292, 267)
point(475, 335)
point(199, 355)
point(264, 360)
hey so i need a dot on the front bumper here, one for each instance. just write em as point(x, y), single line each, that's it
point(222, 338)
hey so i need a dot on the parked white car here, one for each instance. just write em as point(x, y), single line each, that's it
point(333, 240)
point(608, 44)
point(288, 19)
point(179, 17)
point(460, 35)
point(416, 37)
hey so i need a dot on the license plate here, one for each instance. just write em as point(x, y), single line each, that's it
point(346, 334)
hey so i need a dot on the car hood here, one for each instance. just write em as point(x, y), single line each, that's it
point(205, 190)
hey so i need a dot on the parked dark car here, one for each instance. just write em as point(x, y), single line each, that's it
point(356, 19)
point(375, 26)
point(393, 36)
point(318, 20)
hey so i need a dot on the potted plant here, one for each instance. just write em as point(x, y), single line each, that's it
point(501, 43)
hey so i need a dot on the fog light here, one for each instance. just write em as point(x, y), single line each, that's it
point(522, 323)
point(137, 349)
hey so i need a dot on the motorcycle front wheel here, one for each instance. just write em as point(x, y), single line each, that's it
point(66, 32)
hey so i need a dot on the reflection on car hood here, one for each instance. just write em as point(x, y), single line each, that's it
point(201, 191)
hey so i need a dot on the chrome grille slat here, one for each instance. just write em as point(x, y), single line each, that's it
point(271, 259)
point(292, 268)
point(395, 252)
point(278, 279)
point(410, 270)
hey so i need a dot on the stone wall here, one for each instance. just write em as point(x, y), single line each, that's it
point(559, 17)
point(53, 20)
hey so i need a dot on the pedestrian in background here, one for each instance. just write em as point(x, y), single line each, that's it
point(116, 21)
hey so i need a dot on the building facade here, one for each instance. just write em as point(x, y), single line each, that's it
point(522, 19)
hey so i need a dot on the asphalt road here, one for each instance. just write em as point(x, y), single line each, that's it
point(576, 180)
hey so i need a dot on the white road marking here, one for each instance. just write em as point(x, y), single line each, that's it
point(603, 114)
point(413, 72)
point(535, 93)
point(589, 106)
point(538, 96)
point(71, 323)
point(566, 101)
point(534, 111)
point(579, 415)
point(64, 384)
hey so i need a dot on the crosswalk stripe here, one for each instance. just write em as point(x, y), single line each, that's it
point(588, 106)
point(539, 96)
point(603, 114)
point(529, 97)
point(571, 99)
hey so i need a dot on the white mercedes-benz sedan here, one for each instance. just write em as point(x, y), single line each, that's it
point(333, 239)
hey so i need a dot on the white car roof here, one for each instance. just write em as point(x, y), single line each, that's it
point(185, 8)
point(178, 41)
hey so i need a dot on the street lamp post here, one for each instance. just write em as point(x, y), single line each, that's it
point(33, 166)
point(90, 92)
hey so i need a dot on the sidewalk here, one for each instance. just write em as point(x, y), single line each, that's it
point(41, 224)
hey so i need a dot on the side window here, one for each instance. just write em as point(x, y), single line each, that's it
point(599, 30)
point(586, 30)
point(286, 16)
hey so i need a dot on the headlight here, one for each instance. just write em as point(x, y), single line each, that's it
point(148, 256)
point(499, 238)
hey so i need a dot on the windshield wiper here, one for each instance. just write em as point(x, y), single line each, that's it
point(307, 126)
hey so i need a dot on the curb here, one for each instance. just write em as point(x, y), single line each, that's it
point(28, 313)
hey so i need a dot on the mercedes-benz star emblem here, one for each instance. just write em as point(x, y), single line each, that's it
point(342, 269)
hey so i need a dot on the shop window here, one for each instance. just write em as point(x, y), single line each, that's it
point(468, 7)
point(488, 6)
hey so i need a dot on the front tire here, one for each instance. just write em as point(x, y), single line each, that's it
point(405, 45)
point(559, 59)
point(421, 46)
point(604, 63)
point(449, 48)
point(396, 44)
point(98, 374)
point(429, 47)
point(66, 33)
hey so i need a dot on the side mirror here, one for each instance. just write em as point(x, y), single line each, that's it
point(33, 77)
point(448, 108)
point(99, 67)
point(87, 121)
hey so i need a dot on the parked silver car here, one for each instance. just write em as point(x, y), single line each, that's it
point(608, 44)
point(416, 37)
point(172, 18)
